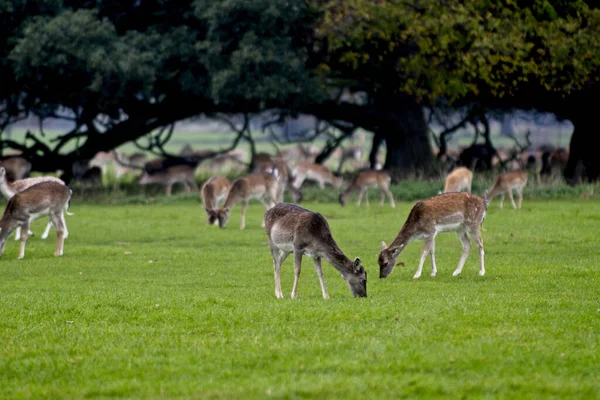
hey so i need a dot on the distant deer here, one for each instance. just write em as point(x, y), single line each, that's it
point(169, 176)
point(506, 183)
point(9, 189)
point(458, 180)
point(315, 172)
point(44, 198)
point(280, 169)
point(213, 191)
point(369, 179)
point(461, 212)
point(16, 167)
point(260, 185)
point(293, 229)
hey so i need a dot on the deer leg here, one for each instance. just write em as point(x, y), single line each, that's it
point(391, 197)
point(433, 266)
point(466, 244)
point(64, 224)
point(18, 232)
point(298, 182)
point(319, 269)
point(243, 223)
point(47, 230)
point(24, 230)
point(278, 258)
point(60, 230)
point(477, 238)
point(321, 184)
point(367, 197)
point(360, 196)
point(424, 252)
point(382, 198)
point(297, 268)
point(520, 200)
point(501, 200)
point(510, 196)
point(169, 188)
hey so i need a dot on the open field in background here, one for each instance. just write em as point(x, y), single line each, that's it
point(200, 139)
point(150, 302)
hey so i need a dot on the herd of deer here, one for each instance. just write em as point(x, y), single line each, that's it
point(289, 227)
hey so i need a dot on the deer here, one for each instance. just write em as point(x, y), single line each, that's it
point(16, 167)
point(458, 180)
point(279, 168)
point(315, 172)
point(213, 191)
point(9, 189)
point(369, 179)
point(293, 229)
point(460, 212)
point(169, 176)
point(506, 183)
point(45, 198)
point(259, 185)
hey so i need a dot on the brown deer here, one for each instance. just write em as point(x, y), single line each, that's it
point(293, 229)
point(9, 189)
point(213, 191)
point(44, 198)
point(169, 176)
point(260, 185)
point(458, 180)
point(369, 179)
point(314, 172)
point(506, 183)
point(460, 212)
point(280, 170)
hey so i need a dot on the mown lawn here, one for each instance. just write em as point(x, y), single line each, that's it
point(150, 302)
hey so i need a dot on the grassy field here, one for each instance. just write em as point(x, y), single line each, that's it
point(150, 302)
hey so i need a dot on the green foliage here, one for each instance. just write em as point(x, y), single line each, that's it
point(465, 48)
point(150, 302)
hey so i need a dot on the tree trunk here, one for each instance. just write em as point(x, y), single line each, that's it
point(584, 163)
point(409, 151)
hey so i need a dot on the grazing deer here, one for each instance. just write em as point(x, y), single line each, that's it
point(293, 229)
point(314, 172)
point(460, 212)
point(9, 189)
point(16, 167)
point(169, 176)
point(280, 170)
point(260, 185)
point(369, 179)
point(506, 183)
point(45, 198)
point(213, 191)
point(458, 180)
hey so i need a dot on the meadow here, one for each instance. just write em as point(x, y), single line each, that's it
point(151, 302)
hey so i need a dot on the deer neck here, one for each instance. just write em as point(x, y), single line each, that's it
point(233, 197)
point(404, 237)
point(7, 190)
point(338, 259)
point(209, 196)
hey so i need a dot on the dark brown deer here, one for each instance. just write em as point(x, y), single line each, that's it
point(293, 229)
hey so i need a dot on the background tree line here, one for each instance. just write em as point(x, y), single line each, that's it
point(120, 70)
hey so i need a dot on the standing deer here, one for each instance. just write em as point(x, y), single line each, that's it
point(9, 189)
point(458, 180)
point(293, 229)
point(369, 179)
point(314, 172)
point(461, 212)
point(45, 198)
point(260, 185)
point(506, 183)
point(280, 170)
point(169, 176)
point(213, 191)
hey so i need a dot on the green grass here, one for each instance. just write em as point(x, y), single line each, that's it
point(150, 302)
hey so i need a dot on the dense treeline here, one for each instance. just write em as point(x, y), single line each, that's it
point(122, 69)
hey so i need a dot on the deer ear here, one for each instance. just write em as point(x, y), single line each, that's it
point(357, 265)
point(383, 246)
